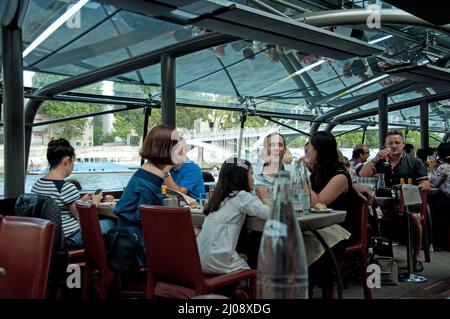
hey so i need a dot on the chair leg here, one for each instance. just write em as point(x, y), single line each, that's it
point(86, 283)
point(103, 287)
point(149, 294)
point(425, 242)
point(252, 288)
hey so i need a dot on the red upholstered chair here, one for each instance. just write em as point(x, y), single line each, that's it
point(356, 251)
point(25, 253)
point(96, 262)
point(97, 272)
point(173, 262)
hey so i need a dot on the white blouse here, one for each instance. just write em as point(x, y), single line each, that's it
point(220, 232)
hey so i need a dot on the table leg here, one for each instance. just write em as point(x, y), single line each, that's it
point(334, 263)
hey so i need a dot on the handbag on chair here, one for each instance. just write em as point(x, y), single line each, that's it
point(123, 250)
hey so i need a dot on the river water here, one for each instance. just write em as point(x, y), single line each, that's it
point(88, 181)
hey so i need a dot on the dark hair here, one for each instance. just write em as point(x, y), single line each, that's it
point(358, 150)
point(74, 182)
point(327, 162)
point(422, 153)
point(391, 133)
point(408, 148)
point(233, 177)
point(443, 151)
point(158, 145)
point(57, 150)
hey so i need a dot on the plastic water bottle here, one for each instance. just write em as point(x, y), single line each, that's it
point(282, 269)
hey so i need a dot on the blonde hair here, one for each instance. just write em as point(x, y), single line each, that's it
point(287, 158)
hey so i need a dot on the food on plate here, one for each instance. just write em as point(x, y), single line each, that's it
point(320, 206)
point(109, 198)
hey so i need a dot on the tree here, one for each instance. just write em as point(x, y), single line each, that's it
point(58, 109)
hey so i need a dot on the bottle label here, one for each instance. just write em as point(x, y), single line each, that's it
point(274, 228)
point(297, 205)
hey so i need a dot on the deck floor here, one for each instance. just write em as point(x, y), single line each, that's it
point(437, 287)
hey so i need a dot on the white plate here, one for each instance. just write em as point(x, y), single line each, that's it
point(321, 211)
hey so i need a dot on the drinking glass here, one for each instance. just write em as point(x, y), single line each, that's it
point(387, 158)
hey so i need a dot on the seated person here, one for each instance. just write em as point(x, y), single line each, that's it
point(225, 214)
point(440, 203)
point(395, 165)
point(61, 158)
point(144, 186)
point(271, 159)
point(185, 176)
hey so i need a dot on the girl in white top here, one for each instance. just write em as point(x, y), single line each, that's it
point(225, 214)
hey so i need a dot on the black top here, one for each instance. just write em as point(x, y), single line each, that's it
point(408, 167)
point(343, 202)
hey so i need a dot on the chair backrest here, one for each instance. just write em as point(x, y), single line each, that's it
point(170, 244)
point(356, 221)
point(25, 251)
point(45, 207)
point(94, 245)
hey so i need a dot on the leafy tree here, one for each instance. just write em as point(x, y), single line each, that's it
point(58, 109)
point(299, 142)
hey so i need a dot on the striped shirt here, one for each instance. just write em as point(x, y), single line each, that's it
point(64, 194)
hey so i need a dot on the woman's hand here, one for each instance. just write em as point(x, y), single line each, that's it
point(96, 199)
point(86, 197)
point(363, 190)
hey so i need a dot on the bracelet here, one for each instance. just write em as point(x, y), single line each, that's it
point(373, 162)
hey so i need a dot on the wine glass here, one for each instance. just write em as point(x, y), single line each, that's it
point(387, 159)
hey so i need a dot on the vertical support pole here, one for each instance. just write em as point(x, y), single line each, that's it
point(168, 90)
point(424, 129)
point(14, 117)
point(382, 119)
point(147, 114)
point(364, 134)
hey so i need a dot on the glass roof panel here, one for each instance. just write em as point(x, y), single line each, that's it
point(260, 72)
point(105, 36)
point(43, 15)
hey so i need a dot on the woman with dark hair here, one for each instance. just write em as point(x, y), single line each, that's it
point(144, 186)
point(330, 180)
point(439, 205)
point(225, 214)
point(61, 158)
point(332, 186)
